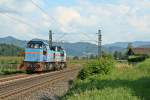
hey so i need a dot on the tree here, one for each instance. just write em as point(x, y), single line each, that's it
point(120, 56)
point(129, 50)
point(92, 56)
point(115, 54)
point(75, 58)
point(9, 50)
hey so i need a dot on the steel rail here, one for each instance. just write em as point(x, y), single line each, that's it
point(31, 87)
point(12, 78)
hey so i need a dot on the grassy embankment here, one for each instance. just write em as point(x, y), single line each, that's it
point(124, 82)
point(8, 65)
point(75, 63)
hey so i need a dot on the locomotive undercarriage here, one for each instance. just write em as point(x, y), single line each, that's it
point(42, 66)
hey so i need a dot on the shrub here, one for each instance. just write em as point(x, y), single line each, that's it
point(84, 73)
point(99, 66)
point(136, 58)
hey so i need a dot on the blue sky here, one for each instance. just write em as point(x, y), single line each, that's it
point(76, 20)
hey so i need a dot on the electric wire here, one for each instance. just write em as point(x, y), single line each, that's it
point(50, 17)
point(20, 21)
point(44, 12)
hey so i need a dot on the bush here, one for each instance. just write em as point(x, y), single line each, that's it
point(136, 58)
point(84, 73)
point(99, 66)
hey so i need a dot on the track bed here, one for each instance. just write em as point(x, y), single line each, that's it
point(18, 88)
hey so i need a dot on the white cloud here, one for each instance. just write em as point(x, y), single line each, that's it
point(140, 23)
point(65, 17)
point(123, 19)
point(27, 23)
point(117, 21)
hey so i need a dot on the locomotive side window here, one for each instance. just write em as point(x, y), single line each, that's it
point(52, 48)
point(59, 48)
point(34, 45)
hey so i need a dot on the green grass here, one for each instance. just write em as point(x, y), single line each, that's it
point(10, 60)
point(145, 65)
point(124, 83)
point(6, 72)
point(8, 65)
point(81, 61)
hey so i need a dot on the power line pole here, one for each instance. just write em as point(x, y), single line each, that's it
point(99, 43)
point(50, 39)
point(87, 53)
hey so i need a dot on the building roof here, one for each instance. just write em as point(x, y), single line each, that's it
point(141, 51)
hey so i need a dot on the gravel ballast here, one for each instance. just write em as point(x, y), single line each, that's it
point(50, 92)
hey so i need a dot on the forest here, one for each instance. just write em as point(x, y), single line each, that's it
point(10, 50)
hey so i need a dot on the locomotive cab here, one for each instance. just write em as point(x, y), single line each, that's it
point(35, 51)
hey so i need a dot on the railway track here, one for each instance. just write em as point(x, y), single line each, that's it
point(10, 78)
point(17, 78)
point(26, 85)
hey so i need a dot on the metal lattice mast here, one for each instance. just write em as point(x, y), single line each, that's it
point(50, 39)
point(99, 43)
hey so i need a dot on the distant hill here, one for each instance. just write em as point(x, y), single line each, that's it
point(80, 48)
point(125, 44)
point(73, 49)
point(12, 40)
point(145, 46)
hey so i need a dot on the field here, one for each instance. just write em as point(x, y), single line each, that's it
point(9, 65)
point(125, 82)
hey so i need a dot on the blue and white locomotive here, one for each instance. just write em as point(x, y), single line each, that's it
point(41, 56)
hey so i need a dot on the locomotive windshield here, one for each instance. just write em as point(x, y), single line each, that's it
point(33, 45)
point(36, 45)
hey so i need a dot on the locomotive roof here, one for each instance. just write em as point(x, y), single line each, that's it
point(38, 41)
point(43, 42)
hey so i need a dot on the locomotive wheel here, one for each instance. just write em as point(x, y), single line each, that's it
point(59, 66)
point(46, 67)
point(62, 66)
point(65, 65)
point(56, 66)
point(36, 67)
point(51, 67)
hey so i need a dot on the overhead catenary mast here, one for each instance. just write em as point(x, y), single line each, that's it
point(99, 43)
point(50, 39)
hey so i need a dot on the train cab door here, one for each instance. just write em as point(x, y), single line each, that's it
point(55, 54)
point(44, 53)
